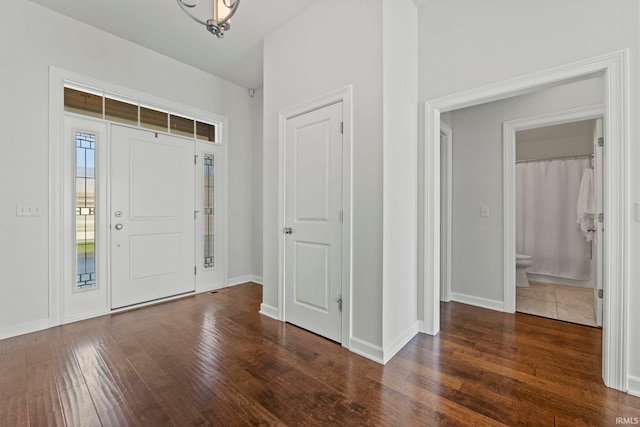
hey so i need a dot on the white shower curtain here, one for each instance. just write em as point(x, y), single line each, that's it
point(546, 228)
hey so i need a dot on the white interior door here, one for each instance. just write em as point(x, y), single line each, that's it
point(599, 238)
point(152, 216)
point(313, 209)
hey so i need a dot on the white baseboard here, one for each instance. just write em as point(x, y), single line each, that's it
point(561, 280)
point(634, 386)
point(233, 281)
point(269, 311)
point(400, 342)
point(24, 328)
point(478, 301)
point(366, 349)
point(256, 279)
point(85, 316)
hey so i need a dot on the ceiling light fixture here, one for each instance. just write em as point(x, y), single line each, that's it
point(222, 12)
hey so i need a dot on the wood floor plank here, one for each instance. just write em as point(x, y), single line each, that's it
point(118, 416)
point(14, 410)
point(45, 408)
point(66, 368)
point(78, 407)
point(212, 359)
point(102, 388)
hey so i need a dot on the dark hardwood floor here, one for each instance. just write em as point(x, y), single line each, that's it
point(213, 360)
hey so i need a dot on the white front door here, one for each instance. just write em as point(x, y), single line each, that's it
point(313, 222)
point(152, 216)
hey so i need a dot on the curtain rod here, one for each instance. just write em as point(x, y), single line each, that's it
point(584, 156)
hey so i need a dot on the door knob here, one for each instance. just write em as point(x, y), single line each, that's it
point(287, 230)
point(119, 226)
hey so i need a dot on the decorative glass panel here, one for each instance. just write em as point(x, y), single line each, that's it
point(154, 119)
point(85, 103)
point(85, 210)
point(120, 111)
point(209, 205)
point(181, 126)
point(205, 131)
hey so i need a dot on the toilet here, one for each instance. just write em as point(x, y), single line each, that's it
point(522, 263)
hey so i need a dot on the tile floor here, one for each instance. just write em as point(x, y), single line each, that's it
point(562, 302)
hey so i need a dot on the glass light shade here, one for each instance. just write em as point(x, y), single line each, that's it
point(220, 10)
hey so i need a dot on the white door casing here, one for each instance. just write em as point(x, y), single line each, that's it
point(509, 193)
point(313, 212)
point(598, 198)
point(152, 220)
point(446, 205)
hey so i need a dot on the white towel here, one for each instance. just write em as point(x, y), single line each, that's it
point(586, 208)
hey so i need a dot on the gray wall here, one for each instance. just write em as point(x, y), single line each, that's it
point(256, 249)
point(477, 259)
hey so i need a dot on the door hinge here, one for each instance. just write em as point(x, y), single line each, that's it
point(195, 270)
point(195, 159)
point(600, 293)
point(341, 127)
point(339, 301)
point(600, 217)
point(195, 214)
point(341, 216)
point(600, 142)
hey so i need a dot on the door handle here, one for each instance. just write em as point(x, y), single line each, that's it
point(119, 226)
point(287, 230)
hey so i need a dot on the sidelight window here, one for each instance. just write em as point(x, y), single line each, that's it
point(85, 210)
point(209, 210)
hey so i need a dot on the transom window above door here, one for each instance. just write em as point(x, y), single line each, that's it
point(121, 110)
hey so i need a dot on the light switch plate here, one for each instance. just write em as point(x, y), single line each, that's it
point(28, 209)
point(484, 211)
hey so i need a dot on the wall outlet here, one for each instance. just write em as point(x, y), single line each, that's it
point(29, 209)
point(484, 211)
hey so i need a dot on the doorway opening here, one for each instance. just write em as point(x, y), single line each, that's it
point(558, 198)
point(612, 69)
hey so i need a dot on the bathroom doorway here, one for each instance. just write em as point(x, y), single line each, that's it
point(558, 233)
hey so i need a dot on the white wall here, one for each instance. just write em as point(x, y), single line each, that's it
point(256, 250)
point(330, 45)
point(304, 61)
point(477, 258)
point(466, 44)
point(400, 132)
point(34, 38)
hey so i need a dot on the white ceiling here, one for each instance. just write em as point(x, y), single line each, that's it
point(161, 26)
point(547, 133)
